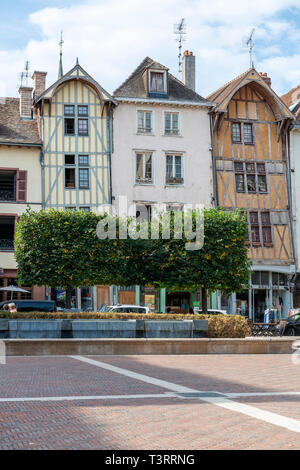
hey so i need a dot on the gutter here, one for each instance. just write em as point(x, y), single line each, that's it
point(20, 144)
point(206, 104)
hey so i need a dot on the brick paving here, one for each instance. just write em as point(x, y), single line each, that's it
point(146, 423)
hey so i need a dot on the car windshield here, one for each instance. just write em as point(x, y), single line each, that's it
point(104, 308)
point(295, 317)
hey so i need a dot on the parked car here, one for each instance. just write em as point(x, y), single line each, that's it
point(31, 305)
point(124, 309)
point(292, 326)
point(210, 311)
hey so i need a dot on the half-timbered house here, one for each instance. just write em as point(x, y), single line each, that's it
point(251, 171)
point(75, 117)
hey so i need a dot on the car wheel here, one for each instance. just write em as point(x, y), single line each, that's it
point(290, 332)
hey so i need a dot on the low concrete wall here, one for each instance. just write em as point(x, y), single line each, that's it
point(114, 346)
point(80, 329)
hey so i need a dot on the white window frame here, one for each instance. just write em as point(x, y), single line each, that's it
point(175, 154)
point(171, 134)
point(137, 122)
point(143, 152)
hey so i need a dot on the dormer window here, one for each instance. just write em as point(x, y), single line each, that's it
point(157, 82)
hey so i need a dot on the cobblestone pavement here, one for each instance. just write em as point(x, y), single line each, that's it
point(150, 402)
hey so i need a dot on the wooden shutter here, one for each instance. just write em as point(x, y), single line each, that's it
point(21, 185)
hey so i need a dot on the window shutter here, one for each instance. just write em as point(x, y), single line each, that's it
point(21, 185)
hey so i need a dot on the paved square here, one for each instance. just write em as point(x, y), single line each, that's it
point(150, 402)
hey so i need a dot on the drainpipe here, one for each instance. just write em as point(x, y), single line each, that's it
point(289, 190)
point(213, 161)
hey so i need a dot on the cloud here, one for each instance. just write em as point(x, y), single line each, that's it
point(110, 38)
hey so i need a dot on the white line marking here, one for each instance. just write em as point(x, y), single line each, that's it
point(134, 375)
point(260, 394)
point(96, 397)
point(272, 418)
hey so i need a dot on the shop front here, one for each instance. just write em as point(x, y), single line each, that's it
point(82, 298)
point(268, 290)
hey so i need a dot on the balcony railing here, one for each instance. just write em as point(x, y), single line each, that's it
point(6, 244)
point(7, 195)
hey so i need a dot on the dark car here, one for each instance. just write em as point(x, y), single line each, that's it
point(32, 305)
point(292, 326)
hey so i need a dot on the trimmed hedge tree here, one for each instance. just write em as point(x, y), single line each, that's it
point(61, 248)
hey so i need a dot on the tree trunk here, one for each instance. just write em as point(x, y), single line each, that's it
point(204, 299)
point(68, 296)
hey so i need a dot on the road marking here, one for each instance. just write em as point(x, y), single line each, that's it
point(272, 418)
point(260, 394)
point(96, 397)
point(135, 375)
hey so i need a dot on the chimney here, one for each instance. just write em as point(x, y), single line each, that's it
point(188, 70)
point(265, 77)
point(39, 83)
point(25, 102)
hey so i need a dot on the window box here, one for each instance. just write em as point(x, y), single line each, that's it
point(174, 180)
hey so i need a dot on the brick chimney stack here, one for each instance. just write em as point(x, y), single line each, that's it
point(39, 83)
point(189, 70)
point(25, 102)
point(265, 77)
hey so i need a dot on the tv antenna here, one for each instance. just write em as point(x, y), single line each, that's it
point(249, 43)
point(24, 76)
point(180, 31)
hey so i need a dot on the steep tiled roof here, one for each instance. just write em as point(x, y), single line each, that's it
point(291, 96)
point(134, 86)
point(13, 129)
point(223, 95)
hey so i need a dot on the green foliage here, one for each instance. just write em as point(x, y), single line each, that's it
point(61, 248)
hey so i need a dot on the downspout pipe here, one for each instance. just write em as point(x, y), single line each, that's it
point(289, 189)
point(213, 161)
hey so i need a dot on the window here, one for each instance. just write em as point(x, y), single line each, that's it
point(83, 110)
point(69, 159)
point(144, 122)
point(157, 82)
point(236, 132)
point(254, 222)
point(174, 169)
point(69, 126)
point(70, 177)
point(251, 175)
point(144, 168)
point(84, 178)
point(143, 212)
point(239, 177)
point(69, 110)
point(83, 160)
point(83, 128)
point(248, 135)
point(261, 220)
point(7, 230)
point(251, 180)
point(266, 228)
point(171, 123)
point(7, 185)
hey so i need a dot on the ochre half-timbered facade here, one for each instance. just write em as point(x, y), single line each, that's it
point(76, 127)
point(251, 169)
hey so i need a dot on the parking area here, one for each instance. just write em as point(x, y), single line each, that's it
point(150, 402)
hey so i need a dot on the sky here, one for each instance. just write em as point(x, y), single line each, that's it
point(111, 37)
